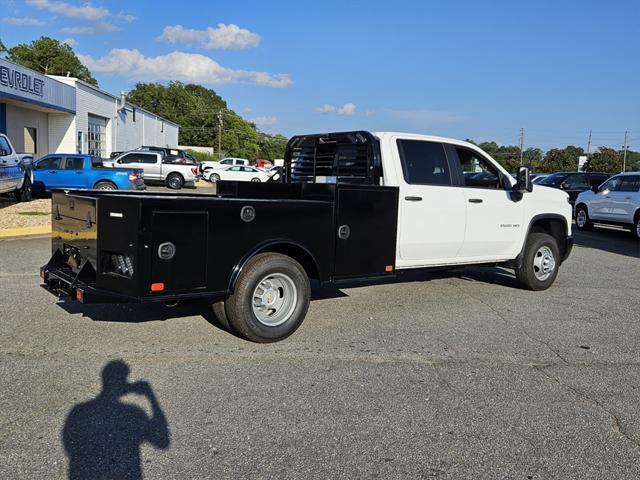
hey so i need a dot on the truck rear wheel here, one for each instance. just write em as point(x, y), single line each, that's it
point(271, 298)
point(540, 262)
point(175, 181)
point(104, 186)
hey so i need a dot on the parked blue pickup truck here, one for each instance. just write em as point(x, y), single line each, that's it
point(73, 171)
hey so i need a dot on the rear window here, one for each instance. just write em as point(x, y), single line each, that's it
point(630, 183)
point(424, 163)
point(554, 180)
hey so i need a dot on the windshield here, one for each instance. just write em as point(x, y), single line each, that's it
point(554, 180)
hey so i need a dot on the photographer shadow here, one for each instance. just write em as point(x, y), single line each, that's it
point(103, 436)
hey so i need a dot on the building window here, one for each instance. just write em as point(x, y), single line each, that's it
point(96, 141)
point(30, 140)
point(80, 141)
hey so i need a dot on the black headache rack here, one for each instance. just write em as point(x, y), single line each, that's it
point(130, 246)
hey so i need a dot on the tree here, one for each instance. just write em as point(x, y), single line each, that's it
point(196, 108)
point(604, 160)
point(49, 56)
point(558, 160)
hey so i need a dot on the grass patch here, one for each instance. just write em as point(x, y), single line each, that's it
point(34, 214)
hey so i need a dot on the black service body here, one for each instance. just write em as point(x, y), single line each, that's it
point(142, 246)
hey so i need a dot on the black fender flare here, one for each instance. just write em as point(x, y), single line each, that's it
point(266, 246)
point(564, 250)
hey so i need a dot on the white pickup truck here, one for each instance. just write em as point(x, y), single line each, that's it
point(156, 168)
point(349, 206)
point(16, 174)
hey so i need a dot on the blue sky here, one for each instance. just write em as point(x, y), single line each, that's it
point(466, 69)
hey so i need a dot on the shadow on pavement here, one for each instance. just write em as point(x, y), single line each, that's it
point(609, 240)
point(102, 436)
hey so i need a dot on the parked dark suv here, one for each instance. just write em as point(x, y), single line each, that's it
point(574, 182)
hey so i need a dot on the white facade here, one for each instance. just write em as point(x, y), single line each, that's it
point(51, 114)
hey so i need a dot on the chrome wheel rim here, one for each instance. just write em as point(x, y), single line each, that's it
point(174, 183)
point(106, 187)
point(638, 228)
point(581, 218)
point(544, 263)
point(274, 299)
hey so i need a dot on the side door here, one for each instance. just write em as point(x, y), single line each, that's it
point(46, 175)
point(601, 206)
point(72, 173)
point(494, 227)
point(151, 163)
point(432, 211)
point(234, 173)
point(624, 201)
point(10, 172)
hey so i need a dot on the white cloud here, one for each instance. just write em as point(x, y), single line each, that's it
point(426, 117)
point(247, 110)
point(267, 120)
point(229, 37)
point(99, 27)
point(72, 42)
point(24, 21)
point(347, 109)
point(188, 67)
point(126, 17)
point(84, 12)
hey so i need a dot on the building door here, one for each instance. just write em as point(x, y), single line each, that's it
point(30, 140)
point(96, 138)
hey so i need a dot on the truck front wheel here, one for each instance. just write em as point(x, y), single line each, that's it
point(24, 193)
point(540, 262)
point(271, 298)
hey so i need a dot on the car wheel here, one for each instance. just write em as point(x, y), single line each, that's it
point(635, 231)
point(255, 180)
point(540, 262)
point(270, 300)
point(175, 181)
point(214, 177)
point(104, 186)
point(582, 219)
point(25, 193)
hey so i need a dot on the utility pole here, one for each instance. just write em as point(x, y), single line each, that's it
point(589, 147)
point(220, 135)
point(624, 154)
point(521, 144)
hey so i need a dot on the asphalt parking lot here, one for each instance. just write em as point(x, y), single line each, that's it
point(451, 376)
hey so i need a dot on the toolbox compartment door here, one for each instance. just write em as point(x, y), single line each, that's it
point(74, 228)
point(366, 226)
point(187, 231)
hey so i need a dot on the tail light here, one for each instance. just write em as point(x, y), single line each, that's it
point(133, 177)
point(194, 170)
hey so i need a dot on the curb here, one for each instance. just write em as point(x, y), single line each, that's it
point(24, 231)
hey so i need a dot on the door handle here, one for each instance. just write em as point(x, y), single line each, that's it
point(413, 199)
point(53, 172)
point(475, 200)
point(78, 173)
point(627, 198)
point(607, 197)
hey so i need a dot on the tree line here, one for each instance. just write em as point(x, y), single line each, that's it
point(198, 111)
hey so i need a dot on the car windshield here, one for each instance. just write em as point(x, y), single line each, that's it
point(554, 180)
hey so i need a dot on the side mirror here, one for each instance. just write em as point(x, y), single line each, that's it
point(523, 181)
point(564, 185)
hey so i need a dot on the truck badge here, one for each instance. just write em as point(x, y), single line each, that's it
point(248, 213)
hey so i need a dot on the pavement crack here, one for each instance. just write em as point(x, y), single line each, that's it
point(616, 423)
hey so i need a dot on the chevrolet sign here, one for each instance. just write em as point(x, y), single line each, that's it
point(21, 81)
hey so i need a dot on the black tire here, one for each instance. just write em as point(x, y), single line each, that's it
point(25, 193)
point(635, 230)
point(539, 251)
point(255, 180)
point(583, 222)
point(214, 177)
point(221, 316)
point(265, 269)
point(175, 181)
point(105, 186)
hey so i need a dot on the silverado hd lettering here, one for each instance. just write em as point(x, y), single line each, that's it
point(348, 206)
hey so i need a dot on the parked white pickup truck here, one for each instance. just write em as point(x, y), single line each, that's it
point(349, 206)
point(15, 171)
point(174, 175)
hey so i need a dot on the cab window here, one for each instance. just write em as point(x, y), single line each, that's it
point(424, 163)
point(73, 163)
point(575, 182)
point(51, 163)
point(226, 162)
point(612, 185)
point(478, 172)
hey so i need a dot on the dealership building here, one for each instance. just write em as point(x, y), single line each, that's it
point(44, 114)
